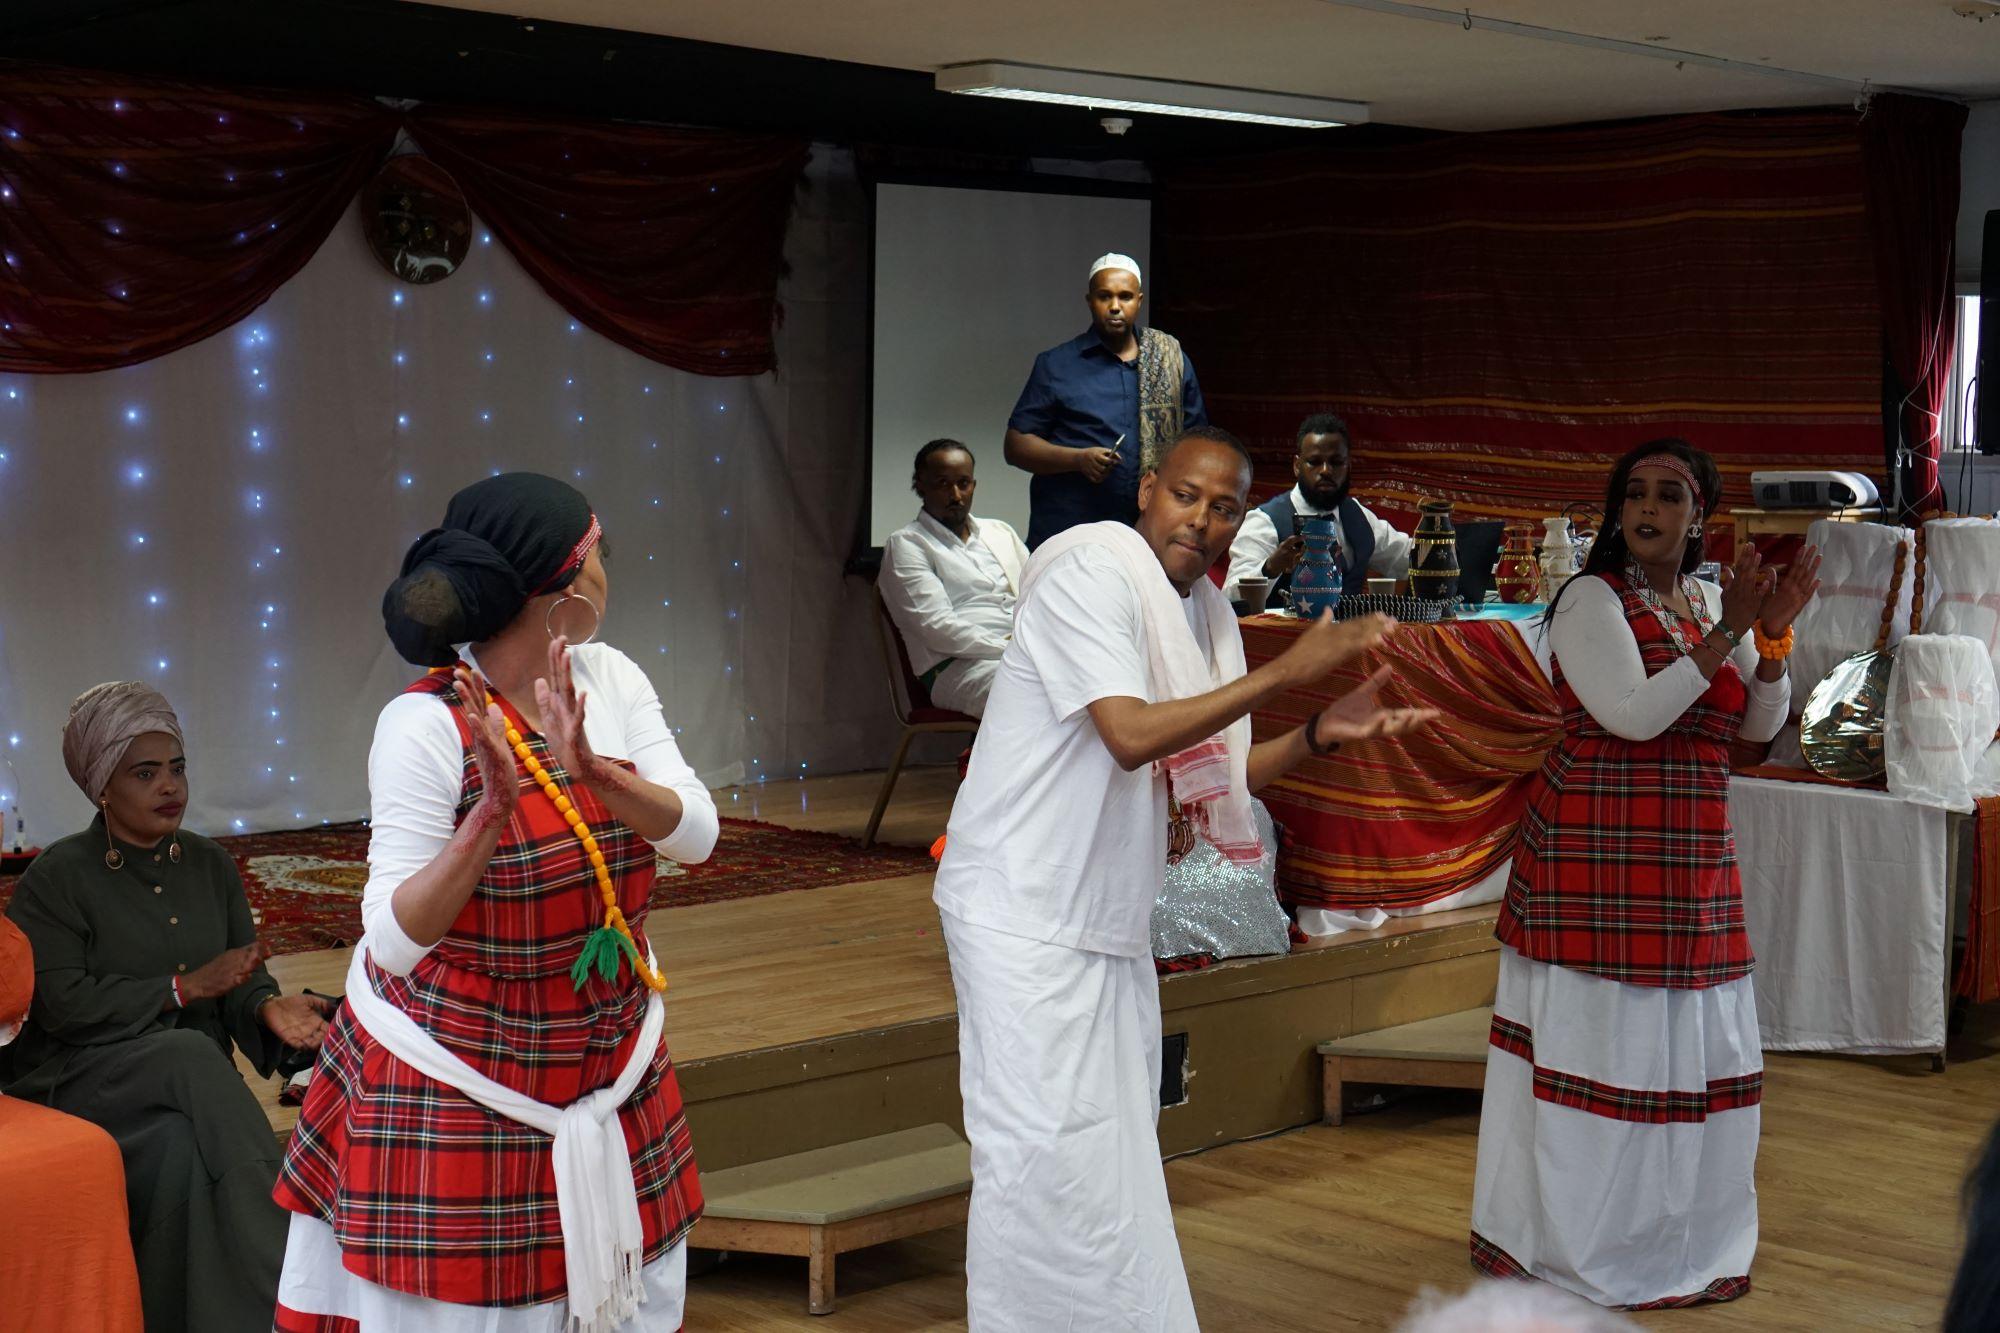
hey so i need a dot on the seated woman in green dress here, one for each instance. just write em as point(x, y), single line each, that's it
point(147, 972)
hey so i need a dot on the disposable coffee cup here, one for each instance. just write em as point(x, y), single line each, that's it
point(1253, 593)
point(1382, 587)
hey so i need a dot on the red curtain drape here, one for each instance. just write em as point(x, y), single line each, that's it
point(667, 241)
point(1910, 152)
point(1499, 315)
point(141, 215)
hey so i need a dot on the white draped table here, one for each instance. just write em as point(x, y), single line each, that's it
point(1848, 899)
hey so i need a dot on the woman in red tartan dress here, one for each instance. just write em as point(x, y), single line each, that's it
point(415, 1203)
point(1618, 1140)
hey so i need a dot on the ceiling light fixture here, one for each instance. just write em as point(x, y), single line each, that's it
point(1167, 97)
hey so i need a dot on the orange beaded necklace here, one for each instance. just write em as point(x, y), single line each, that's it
point(604, 944)
point(603, 947)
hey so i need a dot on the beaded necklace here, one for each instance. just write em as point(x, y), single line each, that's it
point(603, 947)
point(1690, 588)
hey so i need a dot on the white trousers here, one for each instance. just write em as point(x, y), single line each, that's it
point(1059, 1067)
point(964, 685)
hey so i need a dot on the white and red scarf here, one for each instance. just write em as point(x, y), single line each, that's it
point(1209, 779)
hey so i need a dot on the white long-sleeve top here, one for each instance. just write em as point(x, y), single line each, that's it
point(951, 597)
point(416, 770)
point(1590, 639)
point(1258, 537)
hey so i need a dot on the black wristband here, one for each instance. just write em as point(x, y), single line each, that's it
point(1312, 738)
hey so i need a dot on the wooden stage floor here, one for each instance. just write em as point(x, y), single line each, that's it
point(1317, 1228)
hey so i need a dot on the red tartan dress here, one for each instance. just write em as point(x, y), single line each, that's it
point(1626, 866)
point(426, 1191)
point(1618, 1134)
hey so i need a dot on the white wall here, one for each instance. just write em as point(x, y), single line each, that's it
point(969, 286)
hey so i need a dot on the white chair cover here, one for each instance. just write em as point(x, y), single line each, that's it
point(1962, 580)
point(1857, 565)
point(1943, 709)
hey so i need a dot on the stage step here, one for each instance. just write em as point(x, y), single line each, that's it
point(1445, 1052)
point(823, 1203)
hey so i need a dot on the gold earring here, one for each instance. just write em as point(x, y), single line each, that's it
point(113, 858)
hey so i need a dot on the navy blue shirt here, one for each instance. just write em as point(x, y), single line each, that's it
point(1082, 396)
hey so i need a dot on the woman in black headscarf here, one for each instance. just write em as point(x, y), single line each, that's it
point(465, 1140)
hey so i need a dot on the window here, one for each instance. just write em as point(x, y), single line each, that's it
point(1961, 403)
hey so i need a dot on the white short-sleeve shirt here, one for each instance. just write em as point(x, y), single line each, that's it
point(1049, 839)
point(416, 772)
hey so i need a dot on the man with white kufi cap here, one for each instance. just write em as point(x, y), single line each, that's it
point(1099, 411)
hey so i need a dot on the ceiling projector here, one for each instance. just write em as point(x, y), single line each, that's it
point(1812, 490)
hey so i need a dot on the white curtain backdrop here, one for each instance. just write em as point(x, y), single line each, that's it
point(222, 522)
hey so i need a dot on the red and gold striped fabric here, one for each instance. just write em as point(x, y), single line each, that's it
point(1404, 822)
point(1498, 316)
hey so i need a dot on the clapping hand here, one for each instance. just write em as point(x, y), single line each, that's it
point(297, 1020)
point(1744, 583)
point(562, 715)
point(490, 750)
point(1784, 600)
point(224, 972)
point(1358, 716)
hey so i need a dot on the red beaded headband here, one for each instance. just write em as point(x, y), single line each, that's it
point(576, 556)
point(1679, 468)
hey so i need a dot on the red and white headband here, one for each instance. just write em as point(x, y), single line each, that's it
point(1672, 463)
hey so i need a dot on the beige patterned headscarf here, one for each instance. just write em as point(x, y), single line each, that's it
point(103, 721)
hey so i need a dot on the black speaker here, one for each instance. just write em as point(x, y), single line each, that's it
point(1987, 394)
point(1173, 1069)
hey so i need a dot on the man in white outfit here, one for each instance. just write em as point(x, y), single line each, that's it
point(950, 582)
point(1125, 678)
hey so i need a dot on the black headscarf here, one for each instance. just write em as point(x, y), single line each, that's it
point(504, 540)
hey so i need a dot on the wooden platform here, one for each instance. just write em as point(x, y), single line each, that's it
point(807, 1019)
point(1444, 1052)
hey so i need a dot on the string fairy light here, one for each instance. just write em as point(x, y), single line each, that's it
point(274, 439)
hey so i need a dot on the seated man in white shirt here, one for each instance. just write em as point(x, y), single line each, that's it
point(950, 581)
point(1268, 545)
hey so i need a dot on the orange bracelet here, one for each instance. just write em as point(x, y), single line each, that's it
point(1770, 649)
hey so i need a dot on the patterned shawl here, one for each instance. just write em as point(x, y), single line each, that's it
point(1160, 417)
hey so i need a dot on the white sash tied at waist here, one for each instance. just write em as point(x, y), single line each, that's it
point(596, 1197)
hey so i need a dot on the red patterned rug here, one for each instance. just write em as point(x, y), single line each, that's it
point(308, 883)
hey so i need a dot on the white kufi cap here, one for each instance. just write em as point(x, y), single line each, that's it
point(1114, 260)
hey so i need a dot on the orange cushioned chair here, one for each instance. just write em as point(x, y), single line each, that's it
point(914, 710)
point(65, 1246)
